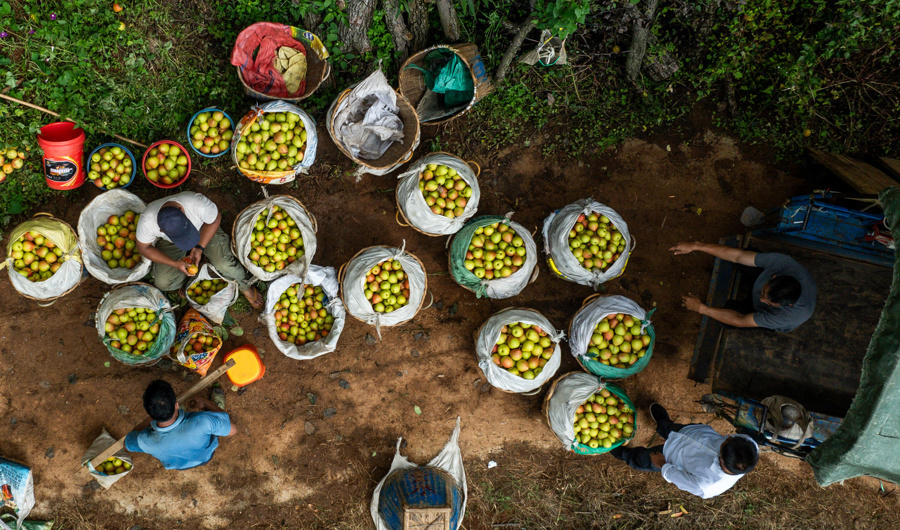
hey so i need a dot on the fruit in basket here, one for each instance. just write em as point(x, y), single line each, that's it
point(595, 242)
point(199, 343)
point(116, 239)
point(132, 330)
point(201, 291)
point(603, 420)
point(387, 286)
point(275, 242)
point(495, 251)
point(113, 466)
point(301, 315)
point(211, 132)
point(276, 141)
point(35, 257)
point(522, 349)
point(618, 341)
point(110, 167)
point(445, 191)
point(10, 160)
point(166, 164)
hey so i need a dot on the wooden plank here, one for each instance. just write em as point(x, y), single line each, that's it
point(861, 176)
point(892, 165)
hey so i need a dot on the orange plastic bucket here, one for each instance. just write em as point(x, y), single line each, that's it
point(249, 367)
point(63, 146)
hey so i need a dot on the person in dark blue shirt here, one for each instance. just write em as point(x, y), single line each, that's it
point(177, 438)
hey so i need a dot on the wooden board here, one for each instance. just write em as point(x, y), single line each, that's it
point(892, 165)
point(862, 177)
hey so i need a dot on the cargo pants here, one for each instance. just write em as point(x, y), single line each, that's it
point(218, 253)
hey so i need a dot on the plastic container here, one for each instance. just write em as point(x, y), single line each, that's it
point(127, 152)
point(63, 146)
point(191, 122)
point(248, 366)
point(174, 184)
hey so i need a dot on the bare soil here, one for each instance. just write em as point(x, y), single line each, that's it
point(58, 392)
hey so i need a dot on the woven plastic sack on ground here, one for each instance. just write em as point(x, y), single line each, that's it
point(103, 442)
point(556, 243)
point(113, 202)
point(194, 325)
point(498, 287)
point(569, 393)
point(490, 333)
point(139, 295)
point(280, 176)
point(325, 277)
point(17, 483)
point(218, 304)
point(449, 460)
point(367, 121)
point(586, 320)
point(69, 273)
point(354, 286)
point(243, 230)
point(416, 210)
point(255, 51)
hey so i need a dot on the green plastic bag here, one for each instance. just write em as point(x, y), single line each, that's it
point(447, 76)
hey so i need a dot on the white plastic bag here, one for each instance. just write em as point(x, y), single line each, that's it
point(412, 202)
point(367, 121)
point(354, 286)
point(113, 202)
point(586, 320)
point(103, 442)
point(219, 303)
point(449, 460)
point(556, 243)
point(17, 483)
point(569, 394)
point(69, 273)
point(326, 277)
point(490, 333)
point(243, 230)
point(309, 154)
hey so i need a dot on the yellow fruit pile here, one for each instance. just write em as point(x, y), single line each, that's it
point(617, 341)
point(132, 330)
point(496, 251)
point(603, 420)
point(595, 242)
point(35, 257)
point(300, 314)
point(445, 191)
point(203, 290)
point(276, 244)
point(522, 349)
point(387, 287)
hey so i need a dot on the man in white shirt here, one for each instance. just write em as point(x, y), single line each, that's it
point(694, 457)
point(188, 222)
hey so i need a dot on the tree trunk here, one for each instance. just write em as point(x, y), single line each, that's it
point(512, 50)
point(418, 24)
point(311, 21)
point(638, 47)
point(355, 32)
point(397, 27)
point(449, 20)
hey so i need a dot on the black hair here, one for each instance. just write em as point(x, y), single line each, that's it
point(784, 290)
point(739, 455)
point(160, 400)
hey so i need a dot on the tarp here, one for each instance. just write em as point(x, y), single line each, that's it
point(868, 440)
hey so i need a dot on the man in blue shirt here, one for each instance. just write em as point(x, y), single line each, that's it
point(694, 457)
point(177, 438)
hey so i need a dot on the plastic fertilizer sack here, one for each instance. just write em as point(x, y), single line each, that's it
point(217, 306)
point(112, 203)
point(116, 467)
point(17, 485)
point(591, 357)
point(413, 203)
point(137, 296)
point(472, 272)
point(247, 150)
point(196, 343)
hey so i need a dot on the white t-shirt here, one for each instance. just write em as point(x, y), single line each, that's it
point(692, 462)
point(197, 208)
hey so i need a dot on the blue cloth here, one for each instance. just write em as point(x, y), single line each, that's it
point(189, 442)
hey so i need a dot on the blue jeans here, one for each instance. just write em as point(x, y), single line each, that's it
point(639, 457)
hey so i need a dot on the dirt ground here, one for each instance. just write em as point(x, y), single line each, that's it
point(292, 467)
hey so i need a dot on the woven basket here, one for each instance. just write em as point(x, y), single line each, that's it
point(412, 82)
point(343, 268)
point(309, 214)
point(45, 302)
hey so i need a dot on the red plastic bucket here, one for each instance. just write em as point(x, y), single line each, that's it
point(63, 147)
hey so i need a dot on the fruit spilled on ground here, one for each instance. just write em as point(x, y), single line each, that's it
point(10, 160)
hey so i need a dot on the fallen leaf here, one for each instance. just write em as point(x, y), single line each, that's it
point(417, 410)
point(106, 364)
point(237, 331)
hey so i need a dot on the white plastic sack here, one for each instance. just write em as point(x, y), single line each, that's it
point(219, 303)
point(367, 121)
point(20, 483)
point(325, 277)
point(449, 460)
point(66, 277)
point(113, 202)
point(312, 139)
point(570, 393)
point(586, 320)
point(412, 202)
point(243, 230)
point(556, 243)
point(488, 336)
point(354, 286)
point(103, 442)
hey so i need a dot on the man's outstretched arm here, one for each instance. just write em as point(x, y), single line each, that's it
point(734, 255)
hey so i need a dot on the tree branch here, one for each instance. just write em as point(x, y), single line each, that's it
point(638, 47)
point(513, 49)
point(359, 17)
point(397, 27)
point(449, 19)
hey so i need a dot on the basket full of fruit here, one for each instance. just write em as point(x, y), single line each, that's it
point(611, 336)
point(135, 323)
point(166, 164)
point(383, 286)
point(211, 294)
point(274, 142)
point(518, 350)
point(111, 166)
point(274, 237)
point(588, 416)
point(44, 258)
point(438, 194)
point(587, 242)
point(493, 257)
point(210, 132)
point(305, 317)
point(107, 236)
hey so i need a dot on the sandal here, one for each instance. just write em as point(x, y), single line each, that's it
point(254, 297)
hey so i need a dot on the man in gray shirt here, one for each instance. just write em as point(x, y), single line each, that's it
point(783, 296)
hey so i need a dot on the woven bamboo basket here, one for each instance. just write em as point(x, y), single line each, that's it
point(45, 302)
point(309, 214)
point(475, 336)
